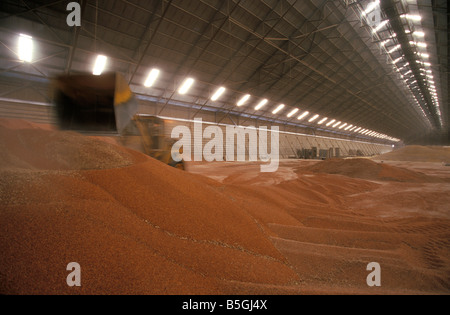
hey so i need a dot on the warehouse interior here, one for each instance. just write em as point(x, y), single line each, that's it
point(350, 97)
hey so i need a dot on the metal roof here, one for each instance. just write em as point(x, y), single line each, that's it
point(319, 56)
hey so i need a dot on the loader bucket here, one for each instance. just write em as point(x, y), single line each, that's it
point(85, 102)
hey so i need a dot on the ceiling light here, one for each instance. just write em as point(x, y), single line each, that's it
point(187, 84)
point(331, 122)
point(261, 104)
point(342, 126)
point(371, 7)
point(243, 100)
point(25, 48)
point(218, 94)
point(395, 49)
point(292, 113)
point(322, 121)
point(314, 118)
point(278, 109)
point(346, 129)
point(337, 124)
point(419, 34)
point(379, 27)
point(100, 64)
point(303, 115)
point(412, 17)
point(153, 75)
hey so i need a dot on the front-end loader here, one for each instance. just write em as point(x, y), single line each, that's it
point(105, 104)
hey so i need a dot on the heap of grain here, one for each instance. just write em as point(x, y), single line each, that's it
point(135, 225)
point(367, 169)
point(417, 153)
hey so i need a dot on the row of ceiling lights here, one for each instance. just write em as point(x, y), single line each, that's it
point(25, 54)
point(333, 123)
point(403, 67)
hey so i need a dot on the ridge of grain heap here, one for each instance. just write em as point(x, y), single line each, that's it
point(369, 170)
point(29, 146)
point(417, 153)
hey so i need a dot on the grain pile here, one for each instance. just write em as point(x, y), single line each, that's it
point(370, 170)
point(415, 153)
point(135, 225)
point(331, 227)
point(141, 227)
point(26, 146)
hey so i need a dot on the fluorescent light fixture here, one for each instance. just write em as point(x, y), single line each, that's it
point(395, 49)
point(243, 100)
point(261, 104)
point(218, 93)
point(371, 7)
point(331, 122)
point(337, 124)
point(343, 125)
point(100, 64)
point(153, 75)
point(314, 118)
point(412, 17)
point(322, 121)
point(358, 129)
point(292, 113)
point(353, 128)
point(25, 48)
point(303, 115)
point(379, 27)
point(397, 60)
point(419, 34)
point(346, 129)
point(421, 44)
point(187, 84)
point(278, 109)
